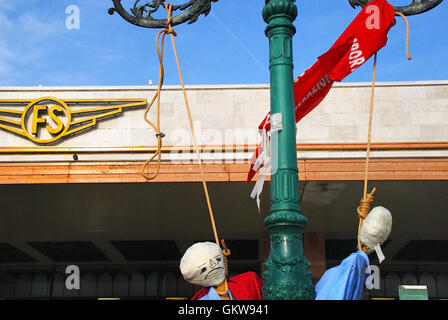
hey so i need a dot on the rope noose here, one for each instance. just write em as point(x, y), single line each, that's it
point(364, 206)
point(156, 127)
point(160, 49)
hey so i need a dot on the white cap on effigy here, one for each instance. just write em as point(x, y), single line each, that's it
point(375, 230)
point(203, 264)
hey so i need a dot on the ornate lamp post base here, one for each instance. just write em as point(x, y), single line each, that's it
point(287, 275)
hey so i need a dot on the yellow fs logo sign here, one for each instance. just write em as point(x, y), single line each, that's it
point(46, 120)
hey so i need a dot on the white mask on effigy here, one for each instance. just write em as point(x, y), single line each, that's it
point(203, 265)
point(376, 229)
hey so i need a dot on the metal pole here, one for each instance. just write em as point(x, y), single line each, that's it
point(287, 273)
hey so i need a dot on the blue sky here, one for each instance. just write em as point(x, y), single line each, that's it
point(226, 47)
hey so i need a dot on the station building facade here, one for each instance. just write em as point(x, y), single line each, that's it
point(73, 194)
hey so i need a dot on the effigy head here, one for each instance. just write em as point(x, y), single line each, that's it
point(376, 228)
point(203, 265)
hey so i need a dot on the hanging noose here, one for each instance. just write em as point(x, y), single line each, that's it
point(367, 199)
point(160, 49)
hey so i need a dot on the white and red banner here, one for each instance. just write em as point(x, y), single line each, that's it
point(361, 40)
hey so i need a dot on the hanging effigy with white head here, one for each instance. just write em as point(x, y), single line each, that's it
point(203, 265)
point(375, 230)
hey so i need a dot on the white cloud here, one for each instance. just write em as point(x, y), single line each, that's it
point(5, 23)
point(24, 39)
point(6, 5)
point(28, 24)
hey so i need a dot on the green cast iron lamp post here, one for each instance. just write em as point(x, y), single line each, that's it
point(287, 273)
point(287, 276)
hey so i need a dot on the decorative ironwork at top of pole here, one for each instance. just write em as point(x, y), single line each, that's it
point(416, 7)
point(141, 13)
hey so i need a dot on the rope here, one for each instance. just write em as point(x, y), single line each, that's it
point(156, 127)
point(223, 290)
point(169, 30)
point(407, 33)
point(364, 207)
point(226, 253)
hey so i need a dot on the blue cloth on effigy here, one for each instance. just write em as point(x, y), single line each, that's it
point(213, 295)
point(345, 281)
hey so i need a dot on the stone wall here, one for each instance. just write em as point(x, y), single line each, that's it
point(230, 114)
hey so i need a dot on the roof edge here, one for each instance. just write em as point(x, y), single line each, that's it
point(214, 87)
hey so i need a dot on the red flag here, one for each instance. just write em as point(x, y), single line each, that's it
point(360, 41)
